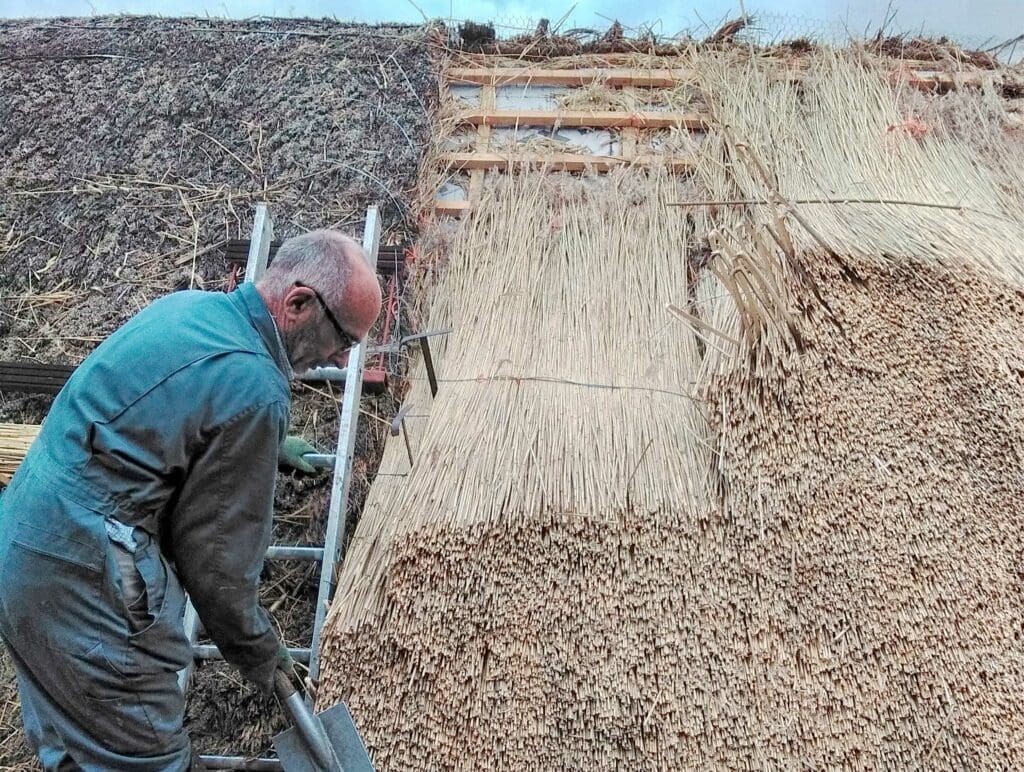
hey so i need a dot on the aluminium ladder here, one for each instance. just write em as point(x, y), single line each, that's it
point(328, 555)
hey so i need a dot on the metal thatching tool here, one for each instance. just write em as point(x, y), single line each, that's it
point(317, 742)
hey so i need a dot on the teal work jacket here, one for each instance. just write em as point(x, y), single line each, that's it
point(173, 426)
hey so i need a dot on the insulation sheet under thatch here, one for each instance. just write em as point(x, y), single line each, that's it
point(785, 536)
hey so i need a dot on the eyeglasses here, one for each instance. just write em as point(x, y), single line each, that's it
point(347, 340)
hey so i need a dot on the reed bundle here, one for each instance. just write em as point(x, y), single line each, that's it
point(15, 440)
point(838, 133)
point(563, 418)
point(866, 429)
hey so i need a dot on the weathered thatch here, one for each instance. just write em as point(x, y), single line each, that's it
point(131, 150)
point(809, 560)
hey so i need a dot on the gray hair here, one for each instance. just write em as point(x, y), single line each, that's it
point(322, 259)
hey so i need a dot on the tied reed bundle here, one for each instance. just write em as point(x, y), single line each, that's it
point(866, 430)
point(564, 436)
point(828, 137)
point(15, 440)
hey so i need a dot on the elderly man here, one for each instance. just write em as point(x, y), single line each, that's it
point(154, 475)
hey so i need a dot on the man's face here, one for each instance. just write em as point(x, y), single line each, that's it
point(315, 344)
point(312, 333)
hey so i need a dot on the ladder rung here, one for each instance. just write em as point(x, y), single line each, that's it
point(209, 651)
point(336, 374)
point(320, 460)
point(242, 762)
point(375, 380)
point(281, 552)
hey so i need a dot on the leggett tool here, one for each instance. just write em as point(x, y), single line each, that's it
point(317, 742)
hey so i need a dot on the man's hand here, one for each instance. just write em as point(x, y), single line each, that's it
point(262, 675)
point(291, 454)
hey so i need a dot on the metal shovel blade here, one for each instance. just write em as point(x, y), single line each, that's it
point(295, 754)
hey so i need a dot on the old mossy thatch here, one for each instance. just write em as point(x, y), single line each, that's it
point(785, 534)
point(134, 148)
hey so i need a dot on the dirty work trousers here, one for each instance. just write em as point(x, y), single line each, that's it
point(95, 630)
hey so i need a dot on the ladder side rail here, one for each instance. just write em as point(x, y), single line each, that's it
point(347, 427)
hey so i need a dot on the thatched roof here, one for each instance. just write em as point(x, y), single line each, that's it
point(783, 534)
point(132, 148)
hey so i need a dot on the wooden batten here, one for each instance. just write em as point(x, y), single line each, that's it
point(452, 208)
point(567, 162)
point(601, 119)
point(613, 77)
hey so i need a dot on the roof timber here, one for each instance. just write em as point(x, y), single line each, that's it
point(920, 74)
point(451, 208)
point(583, 118)
point(569, 162)
point(608, 76)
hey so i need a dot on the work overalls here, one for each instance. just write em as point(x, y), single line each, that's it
point(154, 470)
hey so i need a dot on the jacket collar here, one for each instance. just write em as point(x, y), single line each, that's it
point(266, 326)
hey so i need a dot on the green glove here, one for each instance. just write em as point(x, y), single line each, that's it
point(286, 663)
point(262, 675)
point(291, 454)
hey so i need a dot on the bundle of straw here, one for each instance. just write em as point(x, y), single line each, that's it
point(833, 145)
point(560, 466)
point(15, 440)
point(867, 428)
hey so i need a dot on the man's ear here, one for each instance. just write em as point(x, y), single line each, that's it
point(298, 304)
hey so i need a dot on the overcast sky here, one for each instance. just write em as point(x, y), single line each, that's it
point(971, 21)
